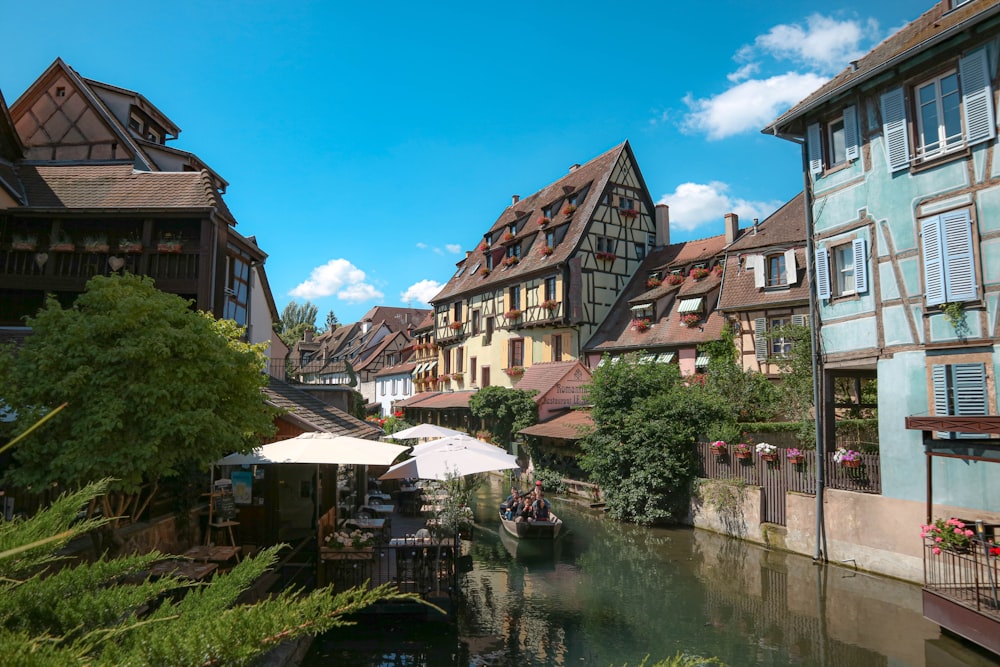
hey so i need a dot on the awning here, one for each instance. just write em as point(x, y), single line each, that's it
point(642, 306)
point(647, 359)
point(701, 361)
point(690, 305)
point(419, 369)
point(431, 365)
point(665, 357)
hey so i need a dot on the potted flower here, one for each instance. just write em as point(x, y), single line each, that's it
point(641, 324)
point(653, 282)
point(514, 371)
point(690, 319)
point(130, 244)
point(767, 451)
point(546, 250)
point(675, 279)
point(543, 220)
point(718, 448)
point(629, 213)
point(96, 243)
point(699, 272)
point(569, 209)
point(24, 242)
point(511, 261)
point(169, 243)
point(795, 456)
point(355, 541)
point(455, 326)
point(457, 377)
point(950, 535)
point(847, 457)
point(508, 236)
point(513, 314)
point(605, 256)
point(61, 242)
point(484, 247)
point(742, 451)
point(484, 272)
point(550, 304)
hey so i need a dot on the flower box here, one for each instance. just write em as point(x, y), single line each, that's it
point(719, 448)
point(569, 209)
point(675, 279)
point(96, 247)
point(653, 282)
point(629, 213)
point(546, 251)
point(641, 324)
point(550, 304)
point(455, 326)
point(347, 553)
point(131, 247)
point(511, 261)
point(743, 451)
point(770, 458)
point(512, 314)
point(62, 247)
point(690, 319)
point(24, 245)
point(544, 220)
point(514, 371)
point(172, 247)
point(851, 463)
point(797, 460)
point(605, 256)
point(484, 272)
point(699, 273)
point(507, 236)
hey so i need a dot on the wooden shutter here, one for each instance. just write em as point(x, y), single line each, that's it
point(822, 273)
point(852, 138)
point(800, 320)
point(969, 383)
point(860, 266)
point(814, 148)
point(760, 271)
point(977, 98)
point(791, 270)
point(894, 133)
point(939, 378)
point(760, 338)
point(959, 263)
point(930, 232)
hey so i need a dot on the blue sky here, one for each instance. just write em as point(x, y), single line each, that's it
point(368, 145)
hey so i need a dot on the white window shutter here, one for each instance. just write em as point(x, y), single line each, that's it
point(969, 383)
point(760, 338)
point(939, 377)
point(759, 271)
point(799, 320)
point(852, 138)
point(977, 98)
point(822, 273)
point(860, 266)
point(791, 270)
point(814, 149)
point(959, 262)
point(894, 133)
point(934, 292)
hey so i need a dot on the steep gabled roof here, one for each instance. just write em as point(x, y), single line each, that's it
point(936, 25)
point(572, 425)
point(399, 369)
point(543, 377)
point(139, 100)
point(304, 407)
point(591, 178)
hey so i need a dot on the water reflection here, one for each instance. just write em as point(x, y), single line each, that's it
point(610, 594)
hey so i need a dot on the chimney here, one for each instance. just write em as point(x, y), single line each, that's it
point(514, 199)
point(366, 326)
point(574, 167)
point(308, 337)
point(755, 226)
point(732, 227)
point(662, 225)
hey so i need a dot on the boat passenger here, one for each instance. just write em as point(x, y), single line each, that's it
point(540, 507)
point(511, 505)
point(526, 513)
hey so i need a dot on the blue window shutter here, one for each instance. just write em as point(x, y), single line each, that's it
point(814, 149)
point(969, 383)
point(939, 377)
point(894, 133)
point(959, 263)
point(977, 98)
point(860, 266)
point(760, 338)
point(851, 137)
point(934, 292)
point(822, 273)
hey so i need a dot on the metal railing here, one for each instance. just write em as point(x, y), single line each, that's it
point(967, 577)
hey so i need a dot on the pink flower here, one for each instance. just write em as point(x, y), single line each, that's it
point(937, 551)
point(939, 539)
point(969, 533)
point(958, 531)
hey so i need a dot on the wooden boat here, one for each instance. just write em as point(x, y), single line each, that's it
point(533, 530)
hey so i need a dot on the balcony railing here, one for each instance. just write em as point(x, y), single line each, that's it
point(968, 578)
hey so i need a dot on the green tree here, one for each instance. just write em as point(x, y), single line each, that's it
point(331, 321)
point(641, 453)
point(505, 411)
point(295, 320)
point(750, 395)
point(796, 388)
point(151, 388)
point(108, 612)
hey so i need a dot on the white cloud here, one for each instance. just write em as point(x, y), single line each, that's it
point(824, 44)
point(748, 106)
point(453, 248)
point(421, 292)
point(421, 245)
point(340, 277)
point(695, 204)
point(744, 72)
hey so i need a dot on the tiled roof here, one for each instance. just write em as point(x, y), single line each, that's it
point(416, 400)
point(936, 24)
point(315, 412)
point(784, 226)
point(544, 376)
point(593, 176)
point(116, 186)
point(372, 355)
point(572, 425)
point(398, 369)
point(440, 400)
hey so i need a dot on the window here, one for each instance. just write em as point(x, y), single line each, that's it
point(459, 360)
point(842, 270)
point(406, 386)
point(514, 298)
point(776, 276)
point(237, 288)
point(625, 203)
point(550, 239)
point(489, 262)
point(486, 376)
point(959, 390)
point(446, 370)
point(472, 370)
point(549, 289)
point(395, 386)
point(514, 250)
point(547, 212)
point(948, 258)
point(640, 251)
point(557, 347)
point(605, 244)
point(833, 143)
point(512, 230)
point(60, 91)
point(780, 346)
point(382, 386)
point(456, 311)
point(650, 241)
point(489, 330)
point(954, 110)
point(475, 323)
point(776, 346)
point(515, 353)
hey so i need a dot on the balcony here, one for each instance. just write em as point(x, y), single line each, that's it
point(960, 593)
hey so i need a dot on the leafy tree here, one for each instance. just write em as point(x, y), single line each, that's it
point(151, 388)
point(295, 320)
point(796, 386)
point(641, 452)
point(331, 321)
point(505, 411)
point(108, 612)
point(750, 395)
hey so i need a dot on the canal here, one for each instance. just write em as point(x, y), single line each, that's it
point(609, 594)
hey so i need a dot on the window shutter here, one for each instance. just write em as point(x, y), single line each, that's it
point(822, 273)
point(860, 266)
point(791, 270)
point(760, 338)
point(800, 320)
point(851, 136)
point(969, 382)
point(939, 377)
point(814, 149)
point(977, 98)
point(934, 293)
point(894, 134)
point(759, 271)
point(959, 267)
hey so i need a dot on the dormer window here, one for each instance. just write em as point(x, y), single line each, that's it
point(547, 212)
point(776, 274)
point(512, 230)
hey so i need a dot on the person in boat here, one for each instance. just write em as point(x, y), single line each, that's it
point(506, 501)
point(510, 506)
point(540, 508)
point(526, 511)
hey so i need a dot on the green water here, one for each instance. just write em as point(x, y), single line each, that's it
point(610, 594)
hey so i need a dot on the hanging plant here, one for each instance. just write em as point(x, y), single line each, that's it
point(507, 236)
point(954, 313)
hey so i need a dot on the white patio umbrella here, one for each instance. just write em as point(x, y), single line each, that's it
point(424, 431)
point(463, 439)
point(455, 459)
point(319, 448)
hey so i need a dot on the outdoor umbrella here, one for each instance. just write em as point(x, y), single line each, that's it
point(424, 431)
point(463, 439)
point(456, 459)
point(319, 448)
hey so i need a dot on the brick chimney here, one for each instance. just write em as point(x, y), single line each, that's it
point(308, 336)
point(732, 227)
point(514, 199)
point(574, 167)
point(662, 225)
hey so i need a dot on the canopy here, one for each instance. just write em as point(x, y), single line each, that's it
point(319, 448)
point(449, 460)
point(463, 439)
point(424, 431)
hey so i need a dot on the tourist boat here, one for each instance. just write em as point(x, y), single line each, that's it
point(536, 530)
